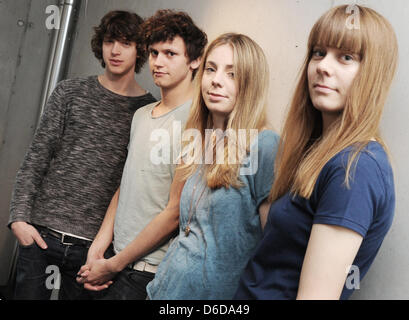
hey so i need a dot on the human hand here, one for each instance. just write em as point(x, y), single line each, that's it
point(26, 234)
point(97, 275)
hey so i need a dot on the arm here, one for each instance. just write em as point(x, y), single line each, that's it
point(331, 251)
point(35, 166)
point(100, 244)
point(155, 233)
point(105, 234)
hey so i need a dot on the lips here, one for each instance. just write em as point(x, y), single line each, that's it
point(158, 73)
point(323, 88)
point(216, 95)
point(115, 62)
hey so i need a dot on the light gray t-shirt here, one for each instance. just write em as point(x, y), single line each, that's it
point(148, 173)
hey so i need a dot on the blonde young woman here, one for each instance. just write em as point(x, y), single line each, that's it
point(333, 198)
point(219, 207)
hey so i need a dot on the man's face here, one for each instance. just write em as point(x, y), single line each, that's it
point(169, 63)
point(119, 56)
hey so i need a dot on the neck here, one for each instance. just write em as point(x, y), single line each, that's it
point(219, 122)
point(124, 85)
point(176, 96)
point(327, 120)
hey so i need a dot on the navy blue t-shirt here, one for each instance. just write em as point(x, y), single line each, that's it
point(367, 207)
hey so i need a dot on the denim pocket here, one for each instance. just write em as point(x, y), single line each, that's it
point(28, 246)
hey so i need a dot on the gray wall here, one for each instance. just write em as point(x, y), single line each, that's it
point(281, 27)
point(23, 58)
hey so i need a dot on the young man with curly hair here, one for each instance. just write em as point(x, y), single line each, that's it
point(75, 161)
point(144, 213)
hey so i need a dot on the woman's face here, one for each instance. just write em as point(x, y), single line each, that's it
point(331, 72)
point(219, 87)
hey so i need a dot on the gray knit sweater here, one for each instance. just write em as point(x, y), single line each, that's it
point(74, 163)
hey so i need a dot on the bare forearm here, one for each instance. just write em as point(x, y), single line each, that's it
point(155, 233)
point(105, 234)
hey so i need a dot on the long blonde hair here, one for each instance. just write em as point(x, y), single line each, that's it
point(303, 151)
point(252, 76)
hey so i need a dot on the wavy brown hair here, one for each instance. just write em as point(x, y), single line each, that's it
point(166, 24)
point(121, 26)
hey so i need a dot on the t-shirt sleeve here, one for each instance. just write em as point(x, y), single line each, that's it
point(261, 165)
point(354, 207)
point(38, 157)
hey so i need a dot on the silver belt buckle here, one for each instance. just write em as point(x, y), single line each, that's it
point(63, 240)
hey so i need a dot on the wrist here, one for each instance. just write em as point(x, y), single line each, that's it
point(116, 263)
point(16, 224)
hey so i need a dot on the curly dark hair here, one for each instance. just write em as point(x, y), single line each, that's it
point(166, 24)
point(120, 25)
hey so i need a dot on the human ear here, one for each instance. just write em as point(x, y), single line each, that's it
point(194, 64)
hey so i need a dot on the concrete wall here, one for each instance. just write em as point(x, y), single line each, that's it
point(23, 58)
point(281, 28)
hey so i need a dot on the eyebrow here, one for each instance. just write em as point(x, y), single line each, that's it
point(229, 66)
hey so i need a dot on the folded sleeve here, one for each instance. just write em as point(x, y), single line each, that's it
point(261, 165)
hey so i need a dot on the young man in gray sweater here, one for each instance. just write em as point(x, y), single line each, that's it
point(75, 161)
point(145, 210)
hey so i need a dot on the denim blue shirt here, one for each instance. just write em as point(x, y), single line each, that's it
point(225, 229)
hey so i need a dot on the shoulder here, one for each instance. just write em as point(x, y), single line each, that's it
point(143, 112)
point(371, 166)
point(372, 156)
point(76, 82)
point(268, 138)
point(73, 85)
point(267, 142)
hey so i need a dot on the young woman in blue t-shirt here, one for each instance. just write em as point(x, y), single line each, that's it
point(219, 224)
point(333, 197)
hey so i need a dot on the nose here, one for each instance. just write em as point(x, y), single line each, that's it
point(325, 65)
point(217, 80)
point(116, 48)
point(158, 60)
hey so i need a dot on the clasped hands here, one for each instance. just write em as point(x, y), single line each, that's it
point(96, 274)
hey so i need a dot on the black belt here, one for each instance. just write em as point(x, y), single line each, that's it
point(64, 238)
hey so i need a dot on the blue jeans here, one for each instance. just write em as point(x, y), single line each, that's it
point(37, 271)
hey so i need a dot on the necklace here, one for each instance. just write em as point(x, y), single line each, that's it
point(191, 212)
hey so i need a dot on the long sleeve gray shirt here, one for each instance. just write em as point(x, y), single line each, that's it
point(75, 161)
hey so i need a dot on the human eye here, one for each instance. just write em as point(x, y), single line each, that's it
point(349, 57)
point(210, 69)
point(170, 53)
point(153, 52)
point(318, 53)
point(230, 74)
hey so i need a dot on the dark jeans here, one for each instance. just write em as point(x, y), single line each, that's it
point(128, 284)
point(38, 270)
